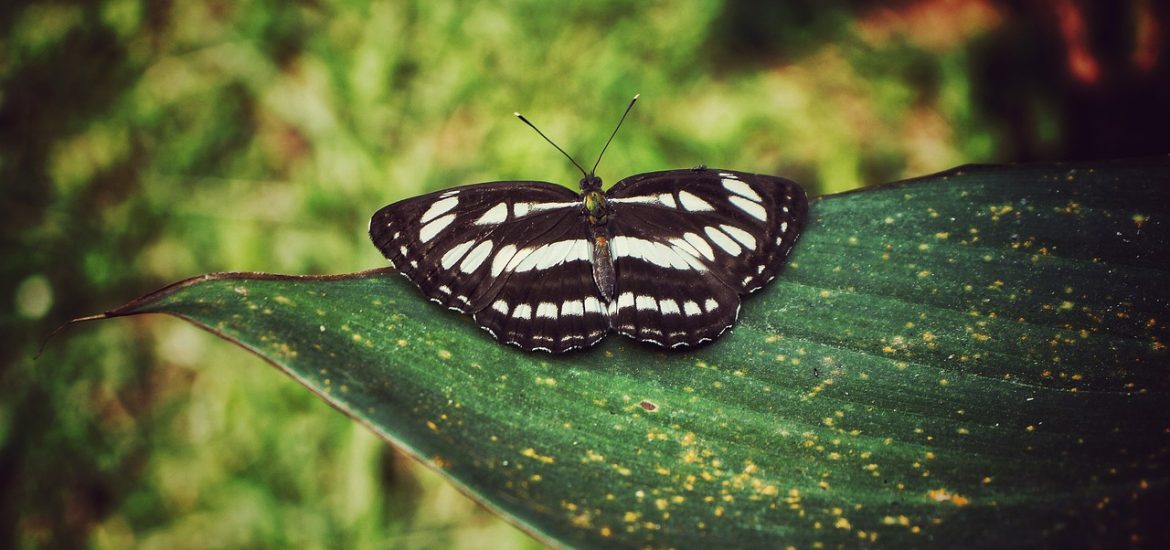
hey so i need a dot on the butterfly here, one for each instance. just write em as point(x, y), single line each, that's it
point(661, 257)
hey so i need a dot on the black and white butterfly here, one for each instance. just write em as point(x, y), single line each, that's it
point(662, 257)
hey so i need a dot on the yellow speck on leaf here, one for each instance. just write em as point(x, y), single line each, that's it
point(942, 495)
point(531, 453)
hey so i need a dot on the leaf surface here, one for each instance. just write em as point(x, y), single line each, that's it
point(976, 357)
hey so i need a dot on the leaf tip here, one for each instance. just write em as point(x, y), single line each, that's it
point(63, 326)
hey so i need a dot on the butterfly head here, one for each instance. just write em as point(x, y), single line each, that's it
point(590, 183)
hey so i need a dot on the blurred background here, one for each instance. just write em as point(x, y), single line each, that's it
point(142, 142)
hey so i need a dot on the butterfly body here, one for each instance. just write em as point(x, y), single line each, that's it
point(661, 257)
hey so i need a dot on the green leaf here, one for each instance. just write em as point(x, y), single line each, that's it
point(973, 358)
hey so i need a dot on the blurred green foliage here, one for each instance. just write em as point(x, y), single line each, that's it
point(142, 142)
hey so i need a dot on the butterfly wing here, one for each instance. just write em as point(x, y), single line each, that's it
point(513, 254)
point(688, 243)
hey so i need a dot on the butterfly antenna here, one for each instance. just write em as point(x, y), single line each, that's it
point(619, 125)
point(533, 126)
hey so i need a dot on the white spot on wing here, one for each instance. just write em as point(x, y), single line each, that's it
point(700, 244)
point(500, 306)
point(549, 255)
point(740, 235)
point(573, 307)
point(625, 300)
point(521, 209)
point(647, 303)
point(668, 307)
point(455, 254)
point(593, 305)
point(477, 257)
point(752, 208)
point(661, 199)
point(548, 310)
point(522, 311)
point(444, 289)
point(691, 308)
point(440, 207)
point(783, 227)
point(723, 241)
point(693, 203)
point(742, 189)
point(503, 256)
point(429, 230)
point(495, 215)
point(654, 252)
point(710, 305)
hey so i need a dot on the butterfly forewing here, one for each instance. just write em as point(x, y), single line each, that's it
point(514, 254)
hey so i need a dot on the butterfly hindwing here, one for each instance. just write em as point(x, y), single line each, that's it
point(688, 243)
point(554, 309)
point(670, 310)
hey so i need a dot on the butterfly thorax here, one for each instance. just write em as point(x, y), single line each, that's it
point(593, 200)
point(596, 207)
